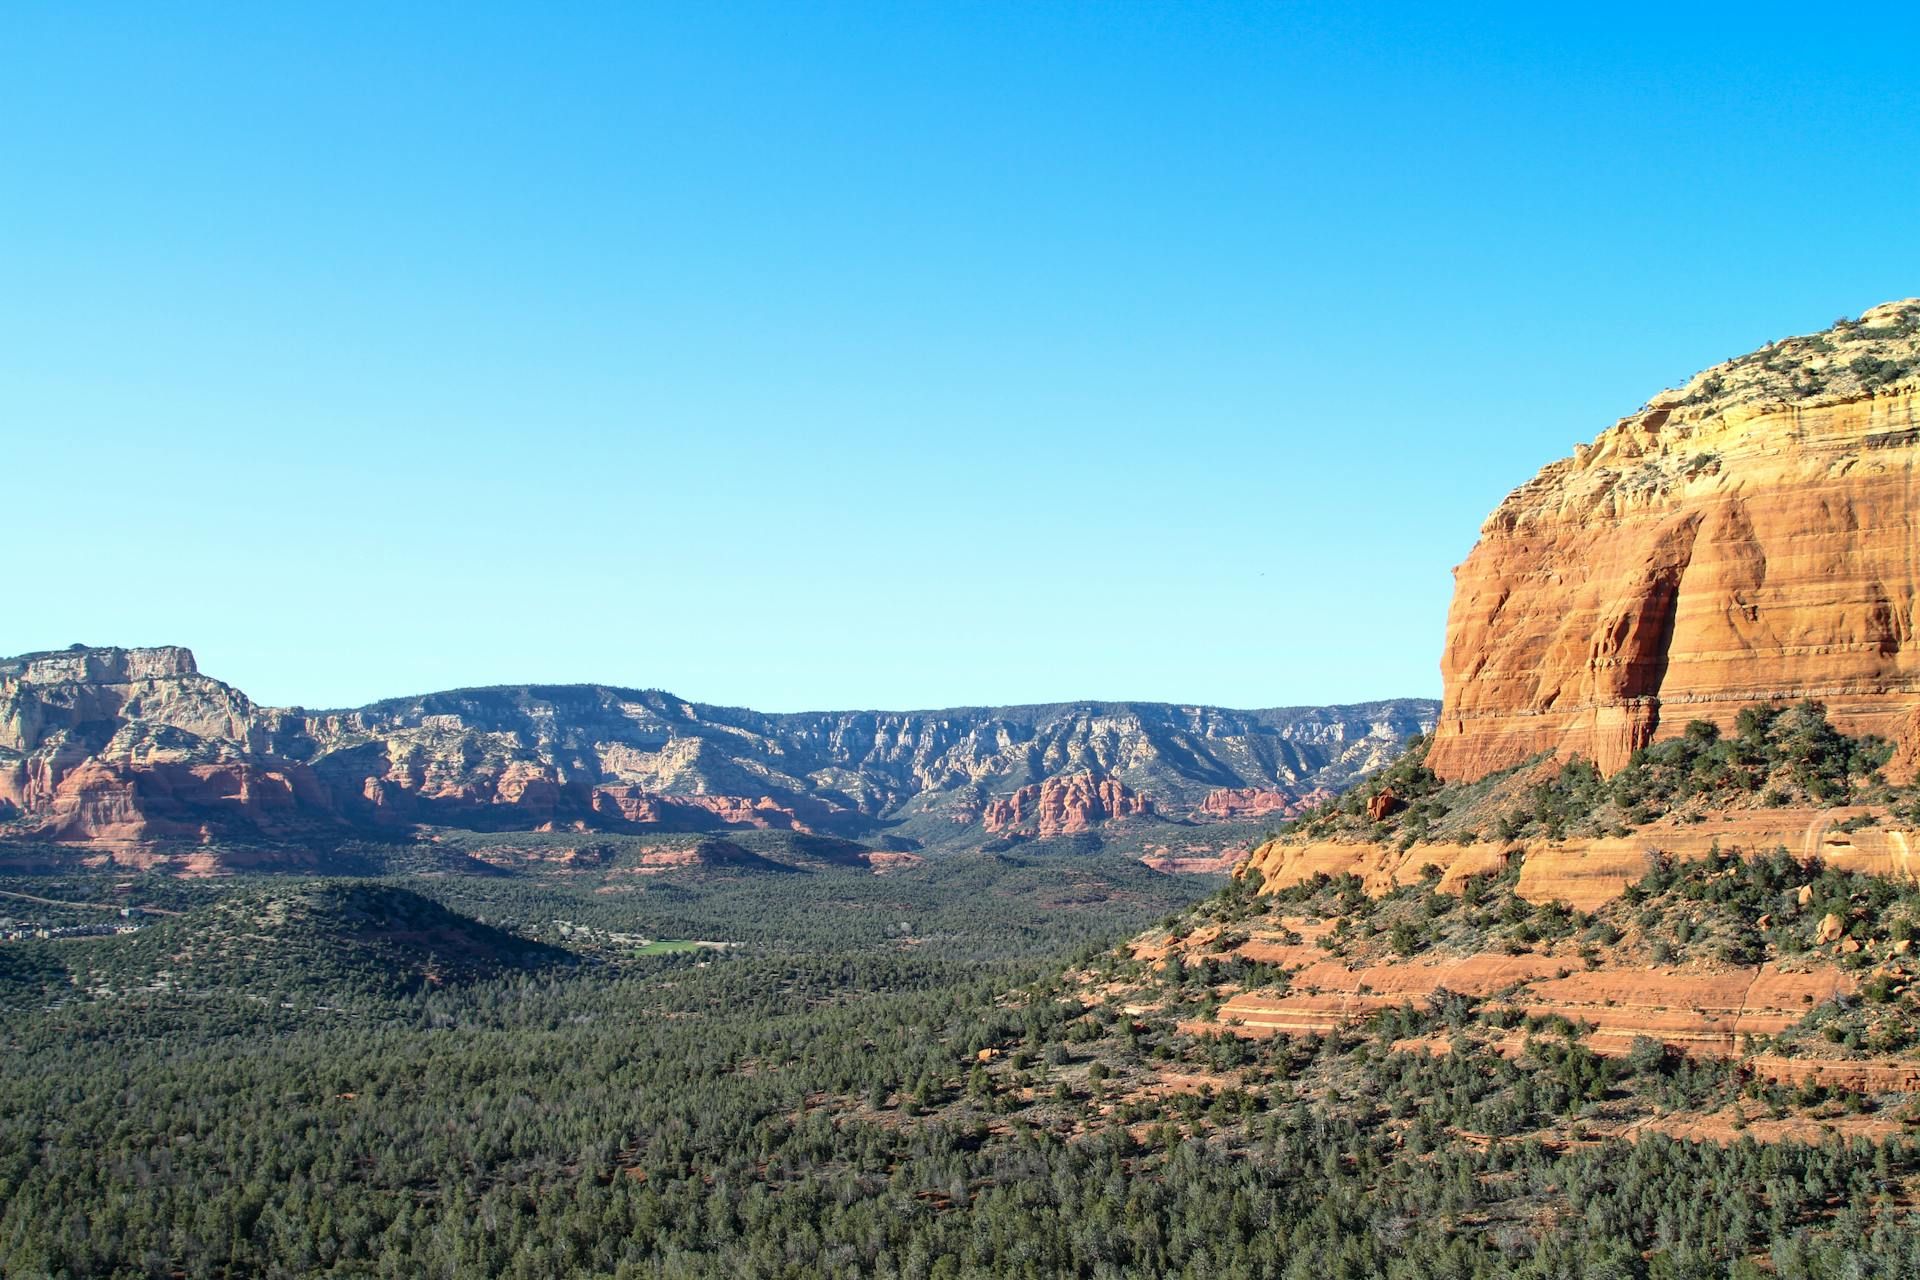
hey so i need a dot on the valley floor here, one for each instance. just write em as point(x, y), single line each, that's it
point(949, 1070)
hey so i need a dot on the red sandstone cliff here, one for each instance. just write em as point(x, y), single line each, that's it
point(1062, 806)
point(1751, 537)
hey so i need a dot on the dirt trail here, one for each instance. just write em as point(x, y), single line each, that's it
point(85, 906)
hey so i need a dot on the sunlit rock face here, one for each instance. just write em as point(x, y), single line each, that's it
point(1063, 806)
point(1751, 537)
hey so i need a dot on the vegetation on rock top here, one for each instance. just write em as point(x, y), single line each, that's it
point(1851, 358)
point(1776, 756)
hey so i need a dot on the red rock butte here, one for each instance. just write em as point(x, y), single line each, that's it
point(1063, 806)
point(1749, 538)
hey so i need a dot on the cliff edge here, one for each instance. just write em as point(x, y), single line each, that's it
point(1748, 538)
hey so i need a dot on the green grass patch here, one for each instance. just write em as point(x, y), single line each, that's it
point(667, 947)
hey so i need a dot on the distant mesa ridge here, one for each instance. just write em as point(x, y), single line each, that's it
point(135, 748)
point(81, 664)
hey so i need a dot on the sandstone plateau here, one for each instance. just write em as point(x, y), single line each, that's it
point(127, 750)
point(1750, 537)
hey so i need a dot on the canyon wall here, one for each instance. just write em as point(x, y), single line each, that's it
point(127, 747)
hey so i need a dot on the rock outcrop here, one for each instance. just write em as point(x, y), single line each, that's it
point(1752, 536)
point(1707, 1014)
point(1062, 806)
point(694, 813)
point(1229, 804)
point(1586, 872)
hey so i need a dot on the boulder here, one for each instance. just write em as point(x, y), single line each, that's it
point(1381, 804)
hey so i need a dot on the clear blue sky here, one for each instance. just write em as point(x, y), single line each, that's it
point(808, 356)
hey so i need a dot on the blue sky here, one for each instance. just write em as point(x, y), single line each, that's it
point(805, 356)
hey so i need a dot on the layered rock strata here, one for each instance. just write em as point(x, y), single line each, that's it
point(1586, 872)
point(1062, 806)
point(1750, 537)
point(1705, 1011)
point(127, 747)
